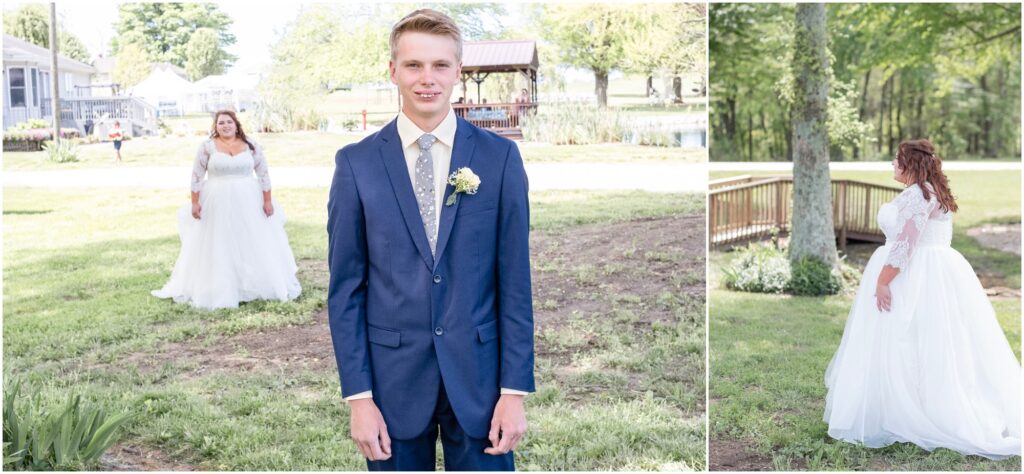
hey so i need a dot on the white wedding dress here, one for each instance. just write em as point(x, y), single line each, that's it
point(936, 370)
point(234, 252)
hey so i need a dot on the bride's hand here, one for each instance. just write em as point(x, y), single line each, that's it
point(883, 298)
point(268, 208)
point(196, 209)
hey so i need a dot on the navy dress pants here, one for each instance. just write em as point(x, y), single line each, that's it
point(461, 452)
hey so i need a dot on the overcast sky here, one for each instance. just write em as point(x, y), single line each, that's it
point(256, 25)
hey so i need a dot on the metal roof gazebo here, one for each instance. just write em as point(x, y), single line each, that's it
point(482, 58)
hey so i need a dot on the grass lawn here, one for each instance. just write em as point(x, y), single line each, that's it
point(318, 148)
point(768, 353)
point(620, 365)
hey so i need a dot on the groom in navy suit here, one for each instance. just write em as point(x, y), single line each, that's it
point(429, 302)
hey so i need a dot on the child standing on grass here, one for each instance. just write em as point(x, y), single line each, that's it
point(116, 134)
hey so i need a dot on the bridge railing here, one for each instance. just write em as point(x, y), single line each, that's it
point(747, 208)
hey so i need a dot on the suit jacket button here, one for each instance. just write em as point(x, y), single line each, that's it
point(437, 279)
point(438, 331)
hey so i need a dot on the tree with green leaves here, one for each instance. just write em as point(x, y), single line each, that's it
point(591, 36)
point(813, 233)
point(32, 23)
point(203, 56)
point(946, 72)
point(669, 39)
point(164, 30)
point(131, 67)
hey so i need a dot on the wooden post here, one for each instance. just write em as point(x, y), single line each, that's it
point(867, 207)
point(842, 216)
point(54, 75)
point(779, 223)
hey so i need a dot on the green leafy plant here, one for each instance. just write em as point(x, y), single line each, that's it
point(63, 151)
point(32, 124)
point(809, 276)
point(71, 437)
point(758, 268)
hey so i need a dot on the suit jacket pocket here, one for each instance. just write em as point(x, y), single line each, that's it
point(384, 337)
point(473, 210)
point(487, 331)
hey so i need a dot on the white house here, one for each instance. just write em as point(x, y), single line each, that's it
point(27, 76)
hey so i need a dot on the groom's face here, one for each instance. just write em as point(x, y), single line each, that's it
point(425, 69)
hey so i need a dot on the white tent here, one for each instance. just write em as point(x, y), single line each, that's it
point(168, 92)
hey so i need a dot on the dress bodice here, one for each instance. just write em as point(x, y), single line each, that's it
point(223, 165)
point(937, 230)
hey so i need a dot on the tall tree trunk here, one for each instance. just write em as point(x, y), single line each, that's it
point(862, 110)
point(899, 111)
point(892, 87)
point(730, 124)
point(813, 231)
point(986, 120)
point(881, 119)
point(750, 136)
point(601, 87)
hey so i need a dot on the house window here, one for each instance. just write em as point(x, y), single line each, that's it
point(17, 86)
point(35, 87)
point(44, 81)
point(69, 86)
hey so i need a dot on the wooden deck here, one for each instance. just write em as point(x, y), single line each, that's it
point(745, 208)
point(503, 119)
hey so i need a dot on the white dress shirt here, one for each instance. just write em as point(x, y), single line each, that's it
point(441, 151)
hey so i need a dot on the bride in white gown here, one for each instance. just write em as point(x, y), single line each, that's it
point(923, 359)
point(233, 244)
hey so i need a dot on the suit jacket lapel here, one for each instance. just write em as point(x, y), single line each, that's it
point(462, 155)
point(394, 162)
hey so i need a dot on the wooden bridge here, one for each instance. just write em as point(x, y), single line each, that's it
point(748, 208)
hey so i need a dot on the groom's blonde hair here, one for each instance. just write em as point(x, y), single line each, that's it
point(427, 21)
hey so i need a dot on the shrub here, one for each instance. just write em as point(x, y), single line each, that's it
point(810, 276)
point(765, 268)
point(63, 151)
point(71, 437)
point(574, 123)
point(274, 116)
point(758, 268)
point(32, 124)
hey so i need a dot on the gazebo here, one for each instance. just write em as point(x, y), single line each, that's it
point(482, 58)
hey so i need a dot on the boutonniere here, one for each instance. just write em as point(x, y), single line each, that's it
point(465, 181)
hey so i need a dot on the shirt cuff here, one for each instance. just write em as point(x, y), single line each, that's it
point(360, 396)
point(509, 391)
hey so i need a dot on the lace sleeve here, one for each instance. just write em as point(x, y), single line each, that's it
point(199, 167)
point(260, 166)
point(913, 215)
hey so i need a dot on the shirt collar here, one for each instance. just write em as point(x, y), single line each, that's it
point(408, 132)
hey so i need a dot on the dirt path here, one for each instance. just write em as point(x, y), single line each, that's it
point(1001, 237)
point(736, 455)
point(130, 457)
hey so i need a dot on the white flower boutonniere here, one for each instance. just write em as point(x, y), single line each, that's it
point(465, 181)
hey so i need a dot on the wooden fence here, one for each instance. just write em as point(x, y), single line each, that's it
point(747, 208)
point(504, 119)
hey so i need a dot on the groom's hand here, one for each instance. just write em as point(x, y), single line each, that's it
point(507, 425)
point(369, 431)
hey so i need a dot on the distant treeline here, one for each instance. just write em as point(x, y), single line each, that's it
point(948, 72)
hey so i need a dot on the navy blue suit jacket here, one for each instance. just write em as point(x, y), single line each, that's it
point(403, 321)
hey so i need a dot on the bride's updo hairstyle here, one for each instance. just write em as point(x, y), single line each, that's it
point(238, 127)
point(921, 165)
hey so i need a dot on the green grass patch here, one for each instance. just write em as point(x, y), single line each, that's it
point(78, 318)
point(767, 361)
